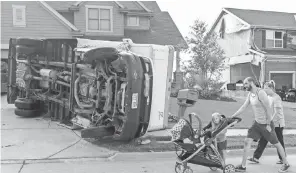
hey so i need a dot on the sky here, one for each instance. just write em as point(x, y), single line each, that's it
point(184, 12)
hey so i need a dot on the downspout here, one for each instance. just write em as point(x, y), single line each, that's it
point(263, 69)
point(263, 63)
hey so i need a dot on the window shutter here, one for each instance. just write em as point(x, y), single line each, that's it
point(222, 29)
point(263, 39)
point(285, 40)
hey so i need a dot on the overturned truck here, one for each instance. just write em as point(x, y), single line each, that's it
point(104, 88)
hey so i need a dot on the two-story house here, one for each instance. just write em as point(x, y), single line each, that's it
point(260, 44)
point(142, 22)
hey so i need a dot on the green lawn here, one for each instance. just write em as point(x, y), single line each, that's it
point(205, 108)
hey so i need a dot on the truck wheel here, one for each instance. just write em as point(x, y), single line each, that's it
point(27, 113)
point(29, 42)
point(26, 50)
point(23, 103)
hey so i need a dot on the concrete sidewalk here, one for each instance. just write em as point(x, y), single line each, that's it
point(38, 138)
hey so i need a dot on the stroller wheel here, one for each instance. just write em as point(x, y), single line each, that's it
point(213, 168)
point(179, 168)
point(188, 170)
point(229, 169)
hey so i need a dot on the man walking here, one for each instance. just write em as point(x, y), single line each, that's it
point(262, 126)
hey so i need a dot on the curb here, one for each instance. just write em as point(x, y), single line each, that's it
point(58, 160)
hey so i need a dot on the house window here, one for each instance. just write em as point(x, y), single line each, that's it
point(19, 15)
point(274, 39)
point(133, 21)
point(99, 19)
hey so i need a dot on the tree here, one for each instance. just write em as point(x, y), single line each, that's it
point(207, 57)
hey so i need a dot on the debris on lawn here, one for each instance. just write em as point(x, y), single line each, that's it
point(172, 117)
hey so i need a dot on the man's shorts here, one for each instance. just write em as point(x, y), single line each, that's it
point(222, 145)
point(259, 130)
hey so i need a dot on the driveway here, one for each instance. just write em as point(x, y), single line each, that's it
point(38, 138)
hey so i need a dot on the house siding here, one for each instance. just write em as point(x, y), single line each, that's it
point(118, 19)
point(241, 71)
point(144, 24)
point(258, 38)
point(69, 16)
point(233, 44)
point(39, 22)
point(279, 66)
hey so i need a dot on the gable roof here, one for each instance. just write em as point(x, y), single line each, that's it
point(265, 18)
point(61, 5)
point(260, 19)
point(163, 31)
point(58, 16)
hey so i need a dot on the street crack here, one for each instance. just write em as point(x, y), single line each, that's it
point(6, 146)
point(24, 162)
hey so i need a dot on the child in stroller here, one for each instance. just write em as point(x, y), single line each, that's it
point(220, 142)
point(197, 152)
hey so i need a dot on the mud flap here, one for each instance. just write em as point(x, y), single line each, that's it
point(12, 90)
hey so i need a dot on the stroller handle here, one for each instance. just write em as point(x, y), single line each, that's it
point(237, 119)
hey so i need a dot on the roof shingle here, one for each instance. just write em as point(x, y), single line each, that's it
point(163, 31)
point(60, 5)
point(265, 18)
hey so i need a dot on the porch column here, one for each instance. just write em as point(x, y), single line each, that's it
point(178, 74)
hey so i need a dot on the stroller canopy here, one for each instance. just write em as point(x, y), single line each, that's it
point(182, 130)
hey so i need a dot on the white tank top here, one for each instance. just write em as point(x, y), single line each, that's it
point(258, 108)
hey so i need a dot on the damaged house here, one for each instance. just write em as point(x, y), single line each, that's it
point(260, 44)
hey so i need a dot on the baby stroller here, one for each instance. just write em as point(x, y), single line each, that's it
point(200, 153)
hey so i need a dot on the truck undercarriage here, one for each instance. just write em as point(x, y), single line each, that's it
point(103, 87)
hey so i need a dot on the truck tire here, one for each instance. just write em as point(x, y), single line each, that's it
point(29, 42)
point(23, 103)
point(27, 50)
point(27, 113)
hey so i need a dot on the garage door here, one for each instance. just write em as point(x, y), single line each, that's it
point(282, 80)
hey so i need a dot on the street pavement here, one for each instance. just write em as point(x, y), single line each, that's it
point(33, 145)
point(146, 163)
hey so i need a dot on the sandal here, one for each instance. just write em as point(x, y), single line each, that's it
point(254, 160)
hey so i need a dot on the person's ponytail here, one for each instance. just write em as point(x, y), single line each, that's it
point(273, 84)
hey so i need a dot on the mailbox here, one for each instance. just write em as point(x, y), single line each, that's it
point(187, 97)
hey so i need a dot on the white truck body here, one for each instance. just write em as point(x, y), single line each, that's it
point(162, 58)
